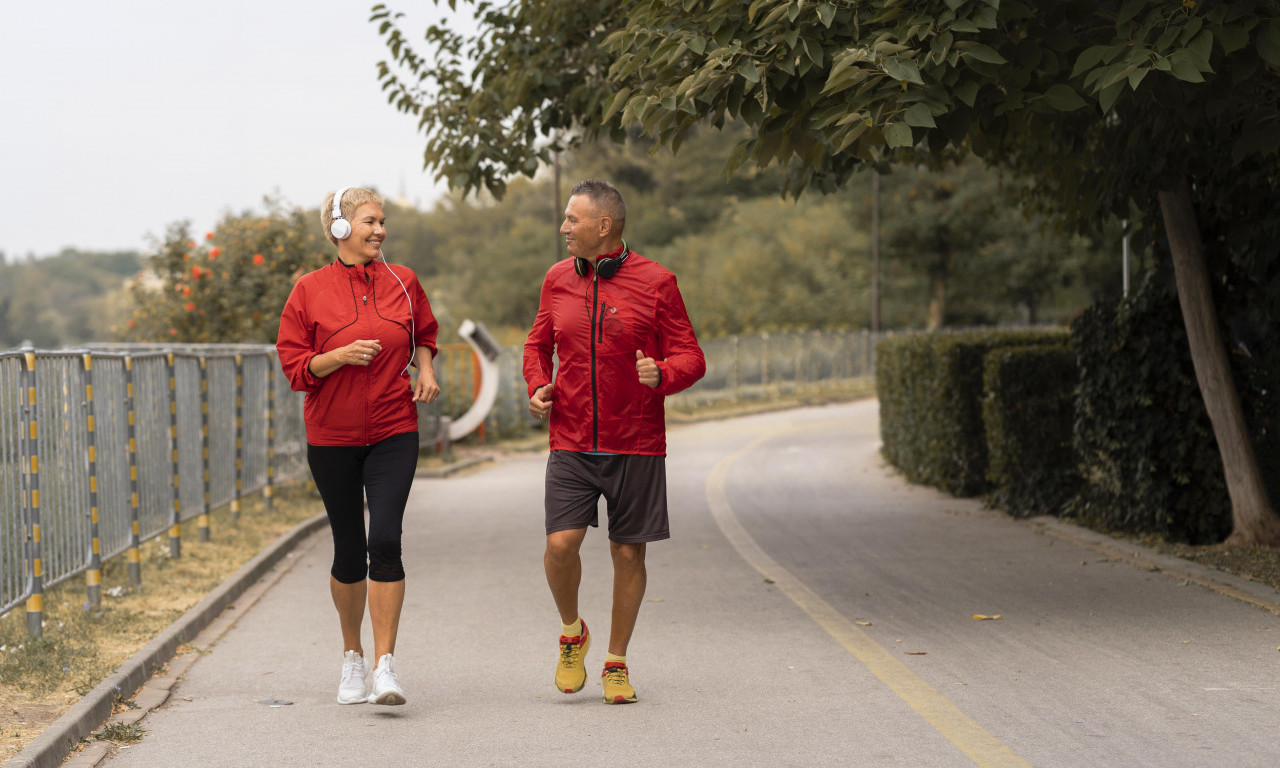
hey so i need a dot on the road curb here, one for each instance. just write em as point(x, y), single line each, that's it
point(449, 469)
point(52, 746)
point(1240, 588)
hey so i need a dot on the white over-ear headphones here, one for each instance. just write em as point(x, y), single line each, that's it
point(340, 227)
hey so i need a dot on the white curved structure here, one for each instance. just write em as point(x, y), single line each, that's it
point(487, 350)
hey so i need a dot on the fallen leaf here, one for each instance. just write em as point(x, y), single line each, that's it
point(983, 617)
point(768, 581)
point(867, 624)
point(916, 653)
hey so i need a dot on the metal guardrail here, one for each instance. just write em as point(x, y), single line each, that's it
point(104, 448)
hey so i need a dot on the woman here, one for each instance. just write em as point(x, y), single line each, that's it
point(348, 334)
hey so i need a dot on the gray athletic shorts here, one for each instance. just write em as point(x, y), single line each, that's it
point(634, 487)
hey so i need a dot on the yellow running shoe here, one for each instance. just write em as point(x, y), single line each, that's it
point(571, 674)
point(617, 684)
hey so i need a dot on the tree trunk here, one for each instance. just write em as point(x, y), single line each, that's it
point(937, 303)
point(1253, 518)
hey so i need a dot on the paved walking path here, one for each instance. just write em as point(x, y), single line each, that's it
point(811, 609)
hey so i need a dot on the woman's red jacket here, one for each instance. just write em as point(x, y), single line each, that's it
point(594, 327)
point(339, 304)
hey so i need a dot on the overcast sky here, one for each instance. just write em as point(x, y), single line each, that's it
point(119, 118)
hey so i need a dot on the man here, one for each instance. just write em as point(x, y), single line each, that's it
point(618, 326)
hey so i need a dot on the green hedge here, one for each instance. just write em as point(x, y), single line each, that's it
point(1027, 410)
point(930, 391)
point(1146, 449)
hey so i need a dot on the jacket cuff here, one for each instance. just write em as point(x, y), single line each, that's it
point(310, 381)
point(664, 379)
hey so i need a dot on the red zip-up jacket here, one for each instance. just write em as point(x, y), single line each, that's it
point(594, 326)
point(334, 306)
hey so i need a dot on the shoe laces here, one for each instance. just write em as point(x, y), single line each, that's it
point(616, 674)
point(352, 669)
point(569, 650)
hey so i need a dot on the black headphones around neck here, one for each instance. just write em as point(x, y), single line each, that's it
point(606, 268)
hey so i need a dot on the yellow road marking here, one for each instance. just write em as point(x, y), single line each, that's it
point(970, 738)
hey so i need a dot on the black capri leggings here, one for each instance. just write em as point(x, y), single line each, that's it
point(346, 475)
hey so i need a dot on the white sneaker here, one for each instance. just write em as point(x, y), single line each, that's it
point(385, 688)
point(352, 689)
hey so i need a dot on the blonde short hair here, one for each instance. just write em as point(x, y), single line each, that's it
point(352, 199)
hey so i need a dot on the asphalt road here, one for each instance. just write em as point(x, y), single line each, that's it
point(811, 609)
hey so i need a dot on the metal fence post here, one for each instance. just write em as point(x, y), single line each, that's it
point(175, 516)
point(203, 523)
point(35, 576)
point(235, 501)
point(93, 576)
point(267, 490)
point(764, 363)
point(132, 554)
point(734, 344)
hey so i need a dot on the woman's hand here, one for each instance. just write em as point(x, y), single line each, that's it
point(359, 352)
point(425, 389)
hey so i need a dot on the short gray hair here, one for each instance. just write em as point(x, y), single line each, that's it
point(605, 197)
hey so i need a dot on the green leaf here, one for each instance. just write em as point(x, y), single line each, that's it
point(1089, 58)
point(1129, 10)
point(826, 14)
point(898, 135)
point(1200, 49)
point(902, 70)
point(966, 91)
point(1269, 42)
point(1064, 98)
point(748, 71)
point(1107, 99)
point(1184, 68)
point(919, 116)
point(619, 99)
point(985, 53)
point(1232, 38)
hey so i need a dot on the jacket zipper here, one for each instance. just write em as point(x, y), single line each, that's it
point(595, 395)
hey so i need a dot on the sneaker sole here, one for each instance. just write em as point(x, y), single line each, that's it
point(390, 698)
point(620, 700)
point(361, 700)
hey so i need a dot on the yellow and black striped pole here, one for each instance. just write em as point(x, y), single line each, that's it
point(235, 501)
point(132, 554)
point(268, 491)
point(203, 523)
point(175, 517)
point(35, 578)
point(93, 577)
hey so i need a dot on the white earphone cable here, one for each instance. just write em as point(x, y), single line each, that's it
point(413, 330)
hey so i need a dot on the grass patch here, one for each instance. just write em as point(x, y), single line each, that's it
point(42, 678)
point(120, 733)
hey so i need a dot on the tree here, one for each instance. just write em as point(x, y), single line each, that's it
point(230, 286)
point(1167, 106)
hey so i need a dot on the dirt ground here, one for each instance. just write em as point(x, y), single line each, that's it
point(1260, 564)
point(41, 679)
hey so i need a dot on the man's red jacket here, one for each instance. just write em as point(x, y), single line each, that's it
point(594, 327)
point(334, 306)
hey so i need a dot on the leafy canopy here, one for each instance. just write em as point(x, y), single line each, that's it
point(1104, 101)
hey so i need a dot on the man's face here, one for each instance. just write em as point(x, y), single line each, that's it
point(581, 228)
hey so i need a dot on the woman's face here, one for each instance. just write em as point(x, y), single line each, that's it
point(368, 230)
